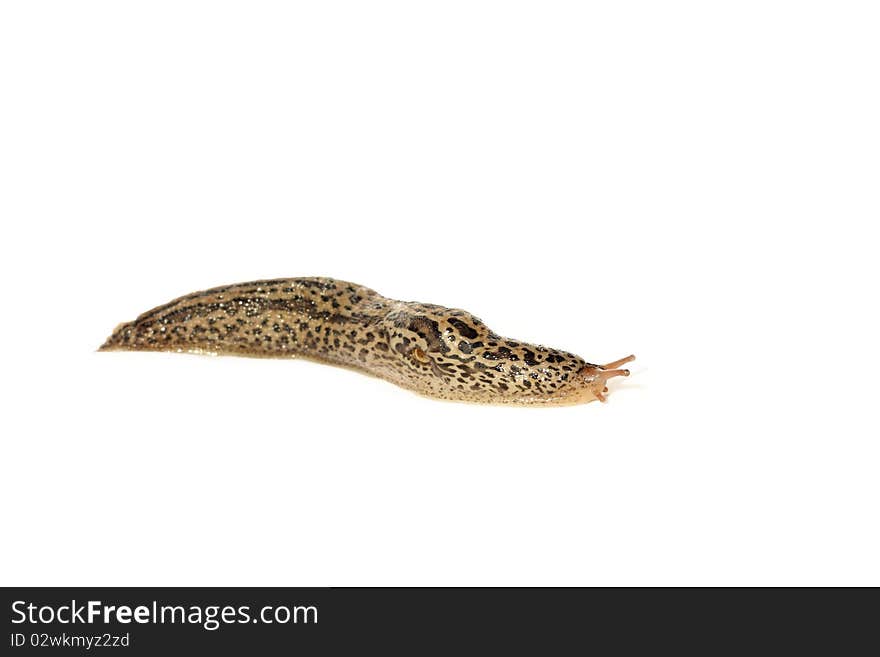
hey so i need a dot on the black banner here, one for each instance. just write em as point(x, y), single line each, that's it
point(150, 621)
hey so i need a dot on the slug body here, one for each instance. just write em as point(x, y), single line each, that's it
point(435, 351)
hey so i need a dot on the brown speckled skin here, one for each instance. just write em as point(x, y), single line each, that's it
point(435, 351)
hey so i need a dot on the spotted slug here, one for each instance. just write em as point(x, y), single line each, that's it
point(439, 352)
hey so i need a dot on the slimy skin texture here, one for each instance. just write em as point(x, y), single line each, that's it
point(439, 352)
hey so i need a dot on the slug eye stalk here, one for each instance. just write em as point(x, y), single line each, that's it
point(618, 363)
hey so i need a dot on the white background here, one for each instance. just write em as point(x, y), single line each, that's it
point(696, 183)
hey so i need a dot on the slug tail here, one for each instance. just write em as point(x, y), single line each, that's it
point(119, 339)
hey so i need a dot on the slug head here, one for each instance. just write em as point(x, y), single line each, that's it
point(590, 381)
point(451, 354)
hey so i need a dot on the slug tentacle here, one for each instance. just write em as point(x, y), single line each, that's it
point(440, 352)
point(618, 363)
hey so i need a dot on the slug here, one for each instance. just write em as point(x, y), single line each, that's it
point(439, 352)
